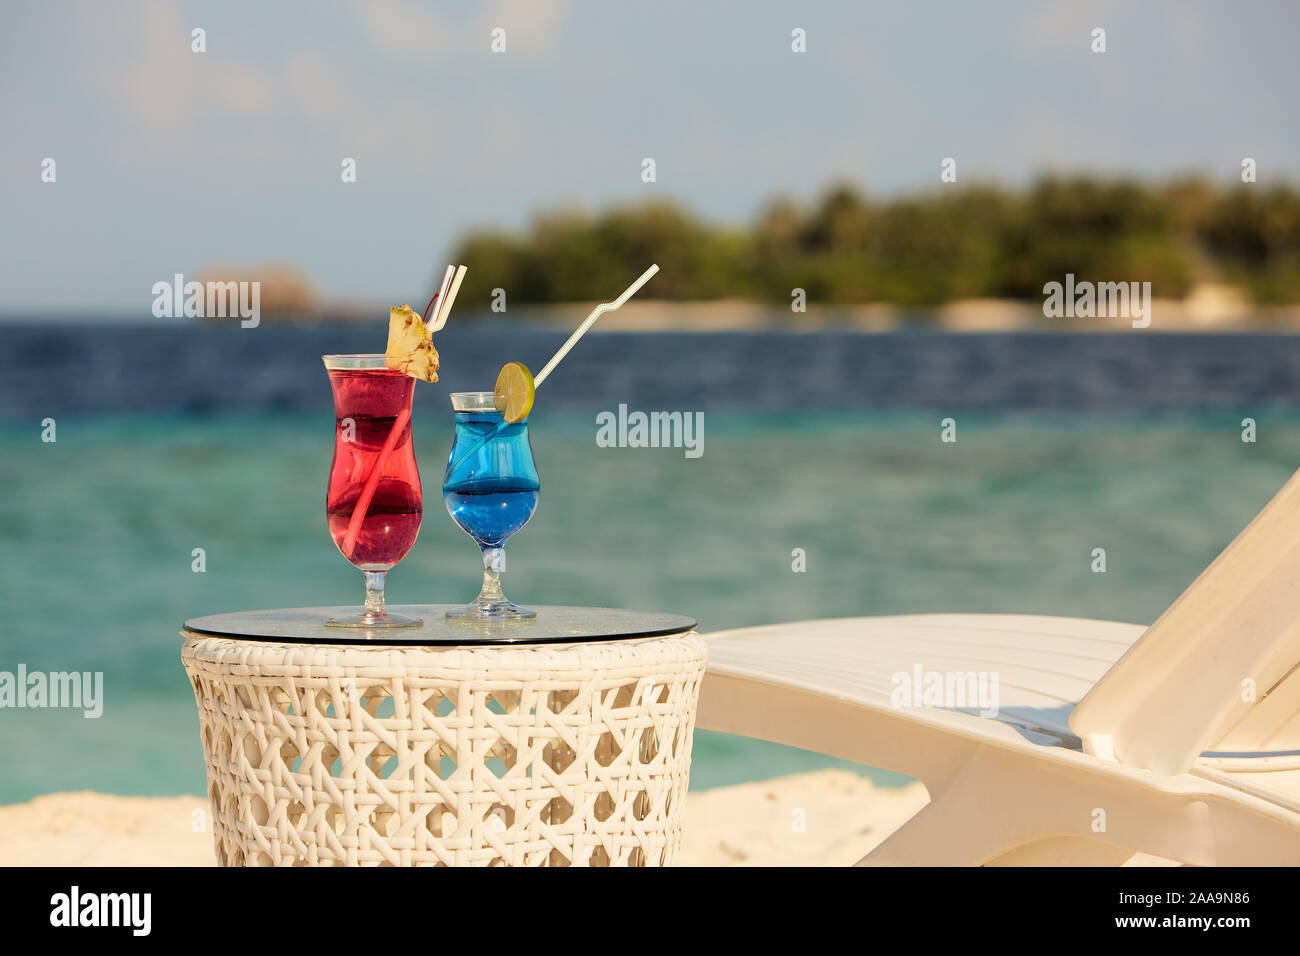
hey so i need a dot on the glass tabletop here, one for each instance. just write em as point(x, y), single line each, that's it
point(553, 625)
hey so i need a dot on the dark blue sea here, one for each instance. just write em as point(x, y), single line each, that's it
point(210, 370)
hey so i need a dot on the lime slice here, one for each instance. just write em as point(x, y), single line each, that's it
point(513, 395)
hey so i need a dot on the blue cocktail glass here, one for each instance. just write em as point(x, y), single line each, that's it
point(491, 489)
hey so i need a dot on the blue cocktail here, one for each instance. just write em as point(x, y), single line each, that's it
point(491, 489)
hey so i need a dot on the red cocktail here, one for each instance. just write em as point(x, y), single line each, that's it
point(373, 502)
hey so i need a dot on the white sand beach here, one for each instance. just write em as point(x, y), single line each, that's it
point(827, 818)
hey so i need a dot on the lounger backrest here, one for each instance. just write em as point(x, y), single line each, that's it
point(1220, 669)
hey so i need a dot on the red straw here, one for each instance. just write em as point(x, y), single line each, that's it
point(425, 317)
point(372, 483)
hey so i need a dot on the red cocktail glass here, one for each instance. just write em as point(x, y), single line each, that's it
point(373, 502)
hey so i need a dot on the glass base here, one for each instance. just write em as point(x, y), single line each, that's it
point(486, 613)
point(372, 619)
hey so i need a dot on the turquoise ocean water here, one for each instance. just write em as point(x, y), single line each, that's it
point(98, 530)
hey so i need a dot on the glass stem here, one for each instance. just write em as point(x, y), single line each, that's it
point(375, 592)
point(494, 562)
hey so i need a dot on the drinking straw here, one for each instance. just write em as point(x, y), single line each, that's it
point(440, 298)
point(445, 302)
point(596, 313)
point(372, 483)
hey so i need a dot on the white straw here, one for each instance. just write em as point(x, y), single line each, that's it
point(442, 297)
point(445, 302)
point(596, 313)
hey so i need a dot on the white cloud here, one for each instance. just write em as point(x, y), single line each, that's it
point(162, 88)
point(400, 28)
point(242, 89)
point(1054, 29)
point(534, 22)
point(392, 131)
point(152, 82)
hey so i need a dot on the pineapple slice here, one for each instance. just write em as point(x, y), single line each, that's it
point(410, 345)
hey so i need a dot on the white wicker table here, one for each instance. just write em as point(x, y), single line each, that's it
point(563, 743)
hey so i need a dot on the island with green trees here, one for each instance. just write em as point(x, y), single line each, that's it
point(913, 251)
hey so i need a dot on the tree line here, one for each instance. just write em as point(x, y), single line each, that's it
point(919, 250)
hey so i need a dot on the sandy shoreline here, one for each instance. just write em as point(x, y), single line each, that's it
point(1209, 307)
point(827, 818)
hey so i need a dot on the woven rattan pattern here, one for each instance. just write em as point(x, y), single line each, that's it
point(561, 755)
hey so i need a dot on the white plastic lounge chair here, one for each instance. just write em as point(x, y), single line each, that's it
point(1112, 744)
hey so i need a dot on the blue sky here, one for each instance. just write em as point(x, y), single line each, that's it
point(170, 161)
